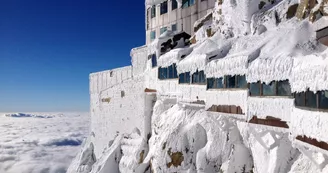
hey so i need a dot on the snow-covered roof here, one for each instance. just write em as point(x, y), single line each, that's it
point(173, 56)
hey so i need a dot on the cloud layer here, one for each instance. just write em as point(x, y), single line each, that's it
point(30, 144)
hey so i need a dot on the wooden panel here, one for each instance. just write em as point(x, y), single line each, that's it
point(322, 145)
point(269, 121)
point(230, 109)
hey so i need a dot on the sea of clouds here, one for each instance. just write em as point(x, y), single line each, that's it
point(39, 142)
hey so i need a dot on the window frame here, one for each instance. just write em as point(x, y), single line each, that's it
point(175, 26)
point(225, 82)
point(153, 59)
point(304, 101)
point(174, 4)
point(174, 73)
point(275, 90)
point(153, 11)
point(152, 35)
point(186, 77)
point(164, 10)
point(198, 78)
point(162, 30)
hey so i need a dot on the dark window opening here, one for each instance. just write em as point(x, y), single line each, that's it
point(174, 27)
point(184, 78)
point(174, 4)
point(283, 88)
point(323, 99)
point(169, 72)
point(153, 60)
point(255, 89)
point(199, 77)
point(231, 81)
point(153, 11)
point(269, 89)
point(318, 100)
point(274, 88)
point(163, 7)
point(241, 81)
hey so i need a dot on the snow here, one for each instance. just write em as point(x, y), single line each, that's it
point(34, 143)
point(155, 2)
point(173, 56)
point(278, 107)
point(312, 124)
point(227, 97)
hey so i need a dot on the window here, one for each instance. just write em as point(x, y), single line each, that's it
point(163, 30)
point(269, 89)
point(283, 88)
point(323, 99)
point(169, 72)
point(274, 88)
point(255, 89)
point(187, 3)
point(163, 7)
point(198, 78)
point(241, 81)
point(310, 99)
point(152, 35)
point(174, 4)
point(153, 11)
point(184, 78)
point(153, 60)
point(174, 27)
point(229, 82)
point(214, 83)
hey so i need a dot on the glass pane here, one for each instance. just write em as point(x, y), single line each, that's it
point(174, 4)
point(153, 11)
point(170, 69)
point(187, 78)
point(152, 35)
point(164, 7)
point(323, 99)
point(191, 2)
point(154, 60)
point(195, 77)
point(174, 27)
point(175, 73)
point(182, 78)
point(269, 90)
point(242, 83)
point(210, 83)
point(185, 3)
point(202, 78)
point(310, 99)
point(231, 81)
point(254, 89)
point(219, 82)
point(284, 88)
point(300, 99)
point(163, 30)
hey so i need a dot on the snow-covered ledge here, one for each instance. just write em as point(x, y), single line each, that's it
point(190, 93)
point(312, 124)
point(278, 107)
point(227, 97)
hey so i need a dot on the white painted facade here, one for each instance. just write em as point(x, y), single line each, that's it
point(184, 18)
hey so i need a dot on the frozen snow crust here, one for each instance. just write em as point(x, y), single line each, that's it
point(142, 124)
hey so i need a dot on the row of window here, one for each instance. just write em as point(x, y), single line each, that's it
point(310, 99)
point(187, 3)
point(162, 30)
point(164, 8)
point(169, 72)
point(227, 81)
point(275, 88)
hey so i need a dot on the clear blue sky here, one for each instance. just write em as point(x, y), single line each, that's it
point(49, 47)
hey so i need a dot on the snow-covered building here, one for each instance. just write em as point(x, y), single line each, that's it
point(174, 15)
point(251, 95)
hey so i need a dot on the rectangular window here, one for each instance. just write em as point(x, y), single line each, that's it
point(153, 60)
point(184, 77)
point(199, 78)
point(174, 27)
point(152, 35)
point(300, 99)
point(210, 83)
point(283, 88)
point(241, 81)
point(310, 99)
point(230, 81)
point(191, 2)
point(219, 82)
point(269, 89)
point(164, 7)
point(323, 99)
point(170, 75)
point(255, 89)
point(163, 30)
point(187, 3)
point(175, 73)
point(153, 11)
point(174, 4)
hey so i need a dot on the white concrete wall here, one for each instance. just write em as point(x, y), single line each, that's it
point(139, 59)
point(122, 113)
point(183, 17)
